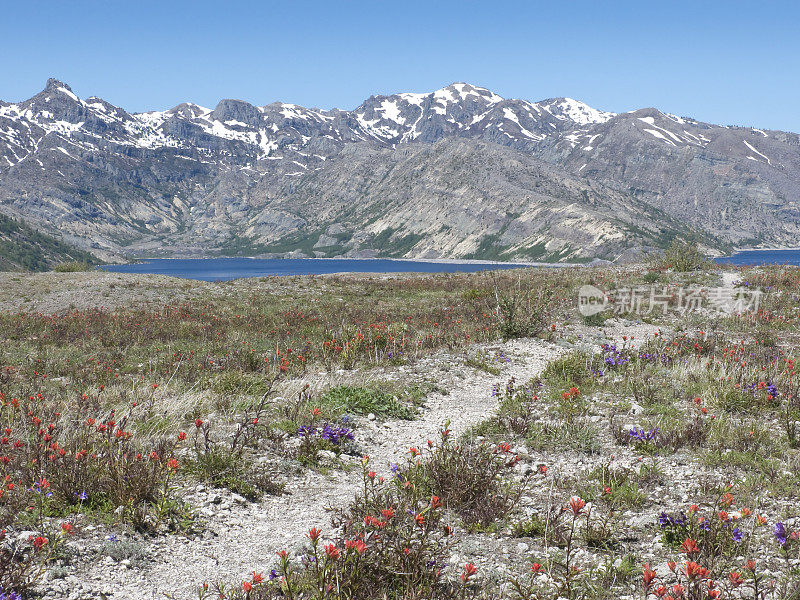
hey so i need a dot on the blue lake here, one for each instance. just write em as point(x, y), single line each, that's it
point(763, 257)
point(223, 269)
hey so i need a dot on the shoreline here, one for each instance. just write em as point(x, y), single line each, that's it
point(452, 261)
point(780, 249)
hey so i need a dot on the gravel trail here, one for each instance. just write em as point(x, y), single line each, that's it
point(241, 537)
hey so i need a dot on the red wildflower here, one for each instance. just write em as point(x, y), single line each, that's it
point(469, 571)
point(689, 546)
point(695, 571)
point(38, 542)
point(576, 504)
point(648, 576)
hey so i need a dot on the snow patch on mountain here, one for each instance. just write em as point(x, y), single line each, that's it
point(578, 112)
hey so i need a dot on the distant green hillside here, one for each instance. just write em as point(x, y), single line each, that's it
point(22, 248)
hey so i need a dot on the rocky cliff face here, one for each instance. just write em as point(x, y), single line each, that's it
point(459, 172)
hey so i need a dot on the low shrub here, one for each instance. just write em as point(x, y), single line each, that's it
point(72, 267)
point(470, 479)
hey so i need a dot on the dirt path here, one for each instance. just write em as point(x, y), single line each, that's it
point(242, 537)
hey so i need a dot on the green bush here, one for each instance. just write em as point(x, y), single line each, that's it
point(570, 370)
point(72, 267)
point(683, 257)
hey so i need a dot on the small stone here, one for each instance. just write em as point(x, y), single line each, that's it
point(371, 416)
point(326, 455)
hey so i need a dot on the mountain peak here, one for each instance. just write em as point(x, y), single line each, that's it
point(462, 90)
point(576, 111)
point(56, 87)
point(54, 84)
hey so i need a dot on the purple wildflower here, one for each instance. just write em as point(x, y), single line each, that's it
point(780, 533)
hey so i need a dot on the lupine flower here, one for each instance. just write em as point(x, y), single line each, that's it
point(780, 533)
point(331, 433)
point(642, 435)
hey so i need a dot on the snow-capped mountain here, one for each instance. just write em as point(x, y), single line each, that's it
point(459, 171)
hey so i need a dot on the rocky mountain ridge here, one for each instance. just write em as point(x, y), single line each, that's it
point(459, 172)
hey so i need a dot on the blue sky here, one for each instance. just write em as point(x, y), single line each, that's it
point(730, 62)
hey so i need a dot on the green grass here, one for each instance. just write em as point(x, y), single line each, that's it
point(344, 399)
point(482, 365)
point(578, 437)
point(571, 370)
